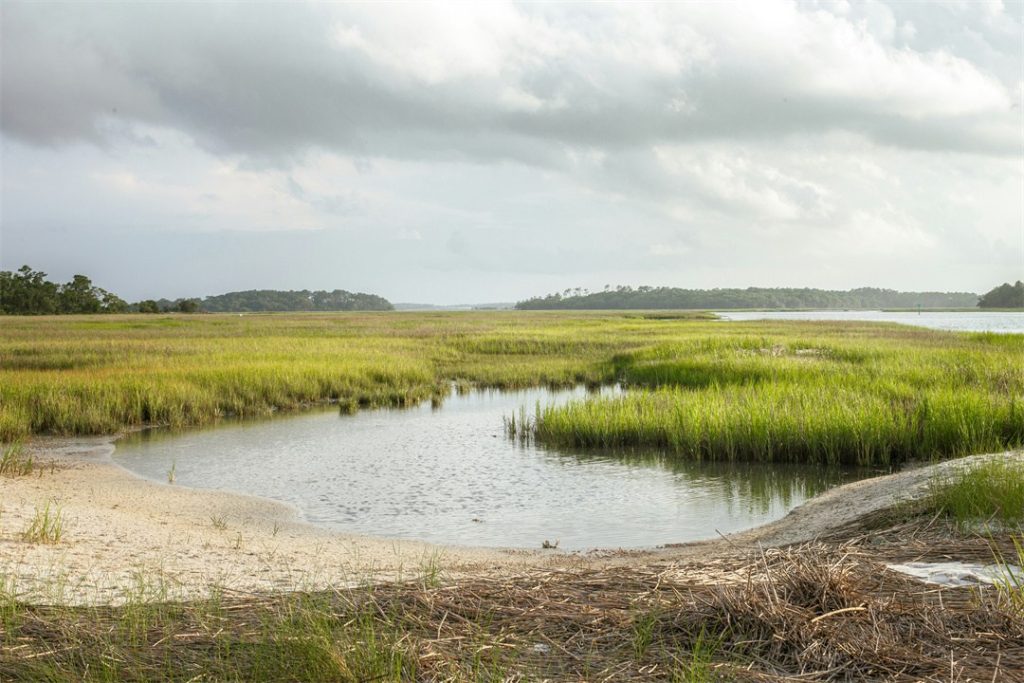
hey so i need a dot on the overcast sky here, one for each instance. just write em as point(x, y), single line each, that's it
point(489, 152)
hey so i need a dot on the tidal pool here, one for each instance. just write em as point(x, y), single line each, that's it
point(450, 475)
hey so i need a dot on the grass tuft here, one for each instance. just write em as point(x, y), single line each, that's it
point(14, 462)
point(991, 491)
point(47, 526)
point(1010, 581)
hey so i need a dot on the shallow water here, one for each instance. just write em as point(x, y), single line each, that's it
point(955, 573)
point(450, 475)
point(972, 321)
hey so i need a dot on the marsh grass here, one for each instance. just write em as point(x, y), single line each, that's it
point(46, 526)
point(844, 398)
point(10, 607)
point(14, 462)
point(1010, 580)
point(520, 427)
point(697, 668)
point(644, 624)
point(987, 492)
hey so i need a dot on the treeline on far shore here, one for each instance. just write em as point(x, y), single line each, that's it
point(623, 297)
point(29, 292)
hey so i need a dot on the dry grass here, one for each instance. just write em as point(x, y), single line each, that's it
point(819, 612)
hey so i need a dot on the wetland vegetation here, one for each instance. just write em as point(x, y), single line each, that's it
point(830, 392)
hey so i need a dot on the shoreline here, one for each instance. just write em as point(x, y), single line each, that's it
point(126, 537)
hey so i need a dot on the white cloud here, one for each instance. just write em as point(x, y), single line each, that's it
point(729, 180)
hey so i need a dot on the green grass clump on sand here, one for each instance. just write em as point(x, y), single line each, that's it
point(991, 491)
point(834, 392)
point(14, 462)
point(46, 526)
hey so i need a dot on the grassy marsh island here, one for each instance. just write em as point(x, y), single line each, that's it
point(812, 596)
point(809, 393)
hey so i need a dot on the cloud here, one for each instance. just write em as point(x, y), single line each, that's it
point(507, 149)
point(488, 82)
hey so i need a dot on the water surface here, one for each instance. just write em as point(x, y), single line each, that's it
point(450, 475)
point(962, 321)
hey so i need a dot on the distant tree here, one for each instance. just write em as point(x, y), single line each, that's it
point(1004, 296)
point(111, 303)
point(187, 306)
point(149, 306)
point(79, 296)
point(27, 292)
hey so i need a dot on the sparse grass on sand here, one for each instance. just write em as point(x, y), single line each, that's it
point(15, 462)
point(46, 525)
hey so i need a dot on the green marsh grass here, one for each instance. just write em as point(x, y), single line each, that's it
point(1010, 580)
point(14, 462)
point(990, 491)
point(871, 396)
point(831, 392)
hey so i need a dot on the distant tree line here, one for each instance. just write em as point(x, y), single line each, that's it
point(167, 306)
point(303, 300)
point(28, 292)
point(1004, 296)
point(624, 297)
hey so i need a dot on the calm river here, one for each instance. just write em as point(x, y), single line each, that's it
point(450, 475)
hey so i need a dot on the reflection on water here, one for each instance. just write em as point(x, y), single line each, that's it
point(449, 475)
point(761, 488)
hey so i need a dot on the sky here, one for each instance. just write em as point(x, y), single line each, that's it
point(485, 152)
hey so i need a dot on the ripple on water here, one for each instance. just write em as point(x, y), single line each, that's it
point(448, 475)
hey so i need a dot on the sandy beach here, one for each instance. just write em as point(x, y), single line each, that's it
point(127, 538)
